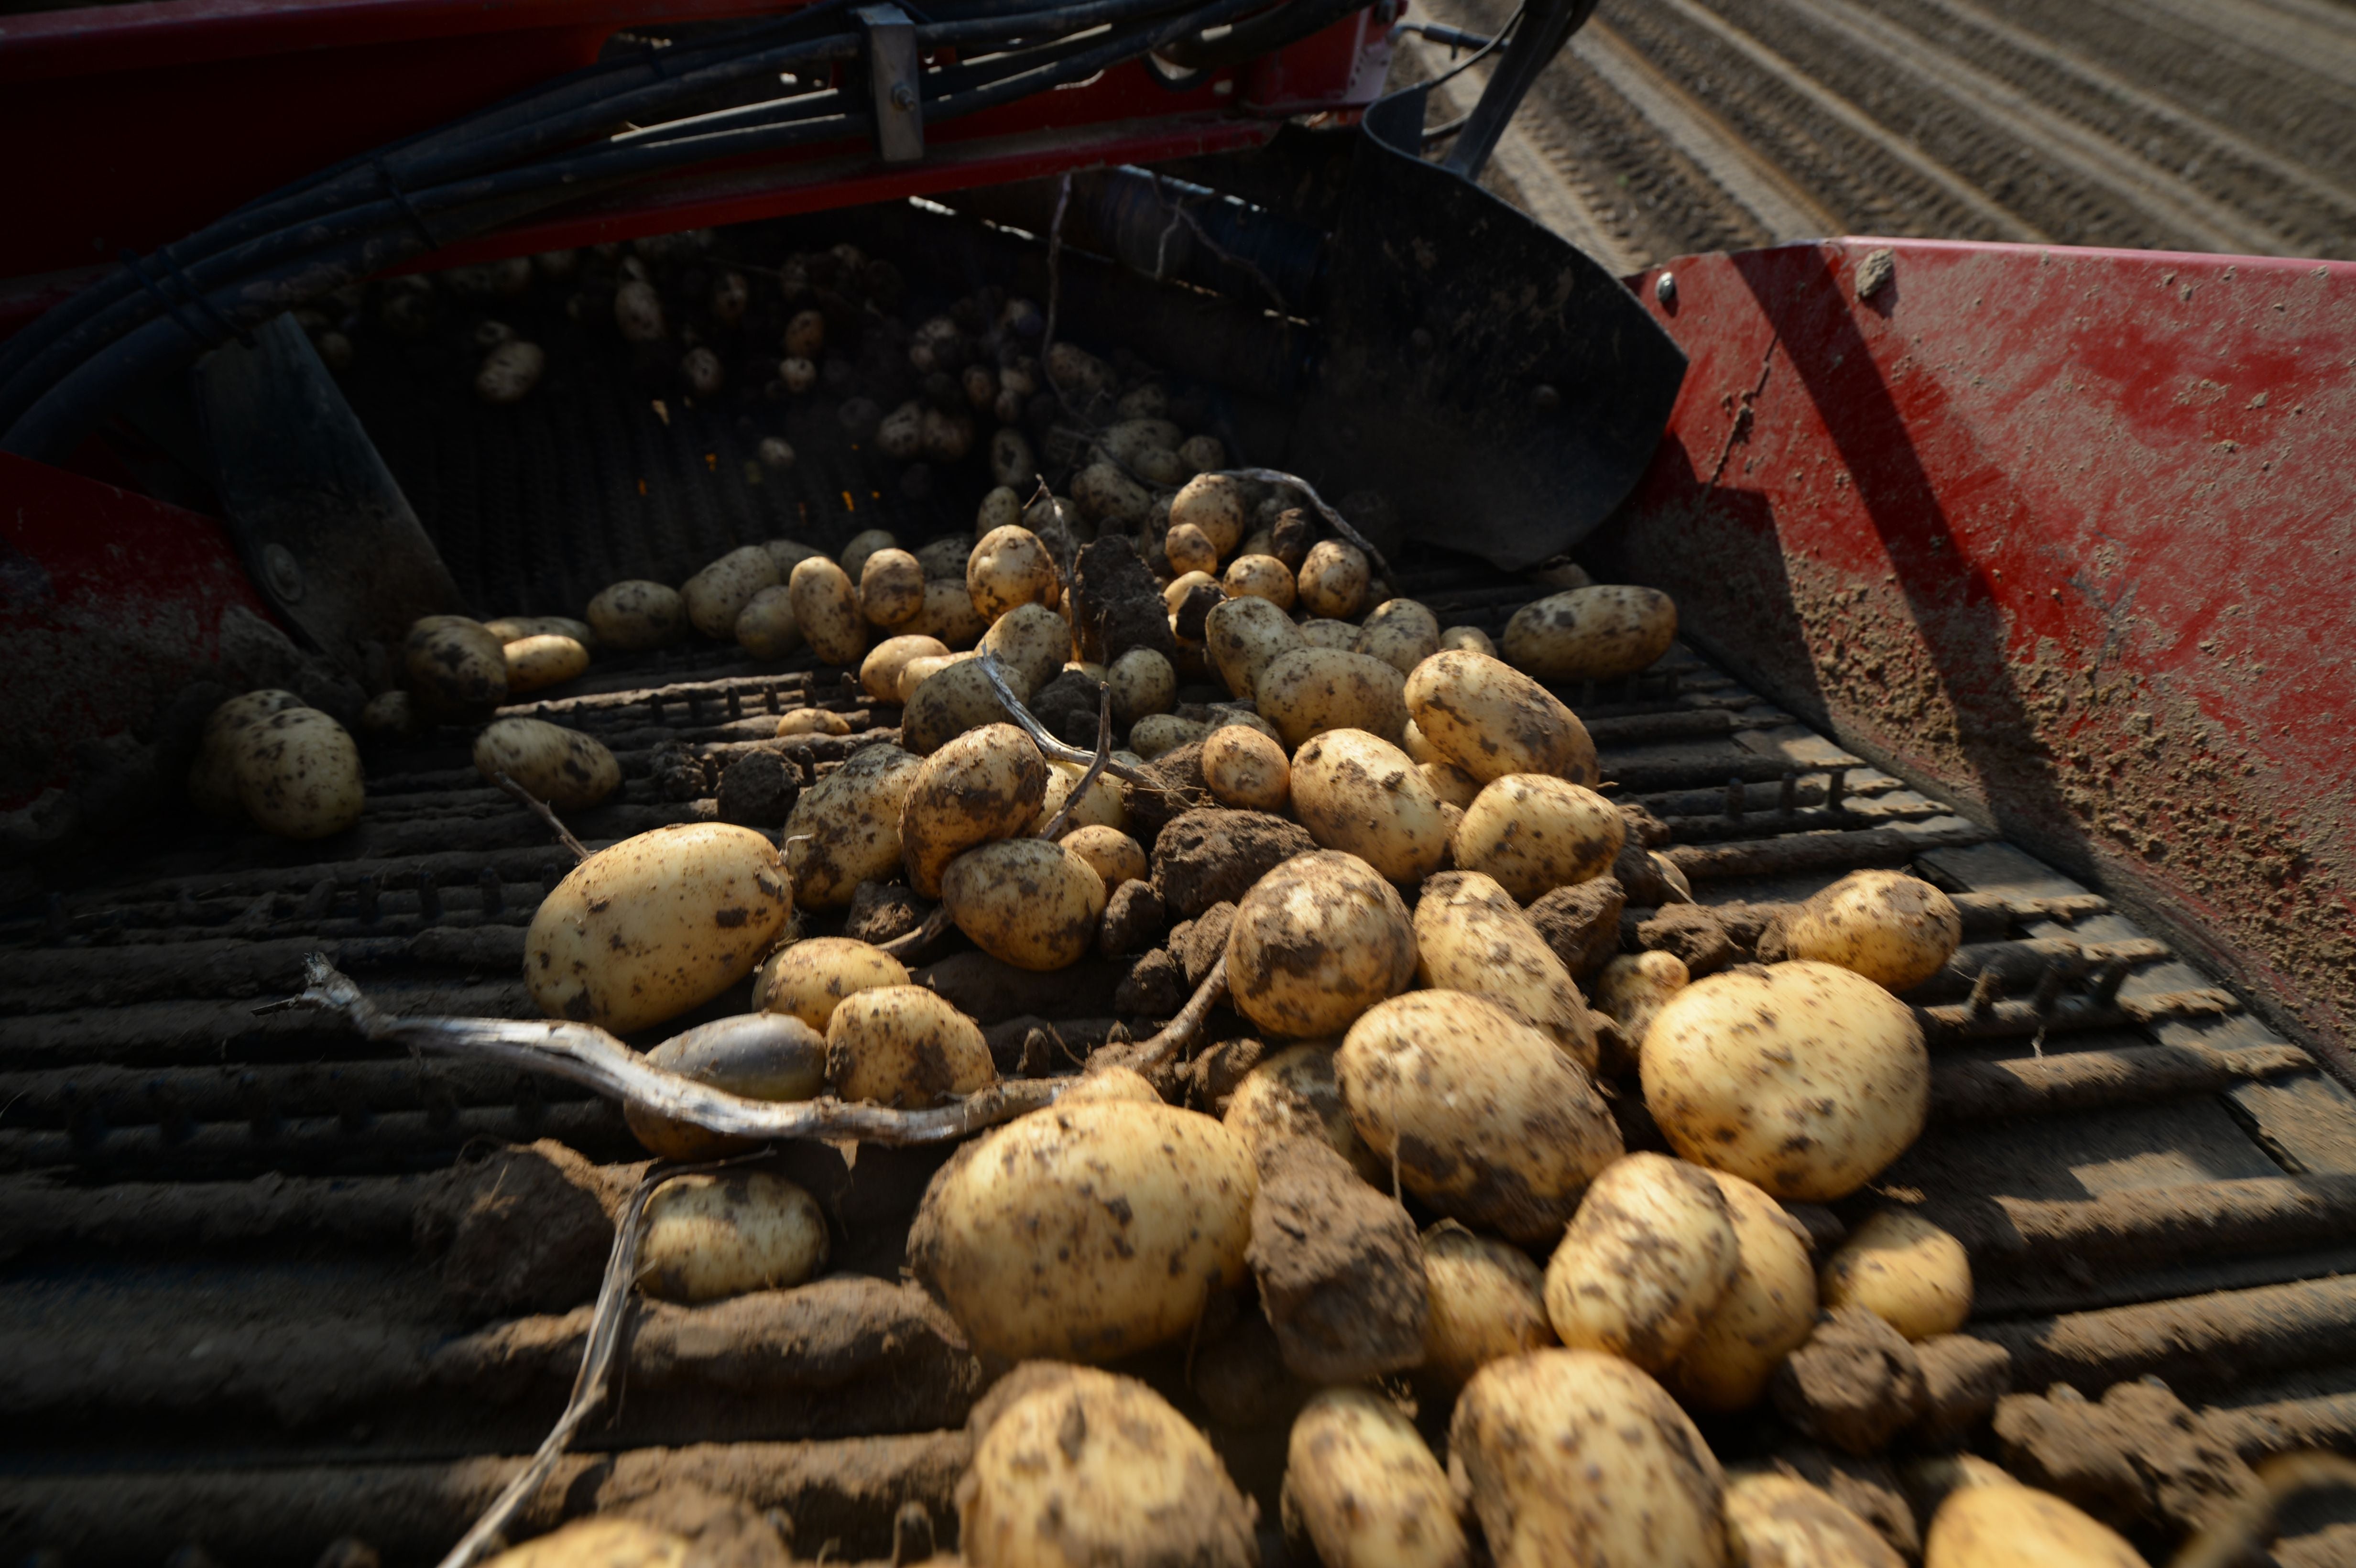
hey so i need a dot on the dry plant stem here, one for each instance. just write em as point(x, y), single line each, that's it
point(2248, 1523)
point(587, 1055)
point(913, 942)
point(1156, 1050)
point(1055, 751)
point(1096, 765)
point(1333, 519)
point(541, 809)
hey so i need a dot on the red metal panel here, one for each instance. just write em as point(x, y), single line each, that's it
point(2070, 532)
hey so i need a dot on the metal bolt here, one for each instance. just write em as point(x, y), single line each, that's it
point(903, 97)
point(281, 572)
point(1665, 289)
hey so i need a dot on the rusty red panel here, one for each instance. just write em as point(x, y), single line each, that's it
point(2072, 533)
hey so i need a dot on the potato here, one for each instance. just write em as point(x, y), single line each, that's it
point(1367, 1491)
point(1905, 1271)
point(1026, 902)
point(1535, 834)
point(1651, 1252)
point(879, 672)
point(761, 1055)
point(1245, 768)
point(726, 1232)
point(1294, 1095)
point(788, 554)
point(1116, 855)
point(1176, 592)
point(298, 774)
point(1451, 785)
point(1010, 567)
point(636, 616)
point(998, 509)
point(903, 1046)
point(953, 700)
point(563, 767)
point(1486, 1303)
point(1315, 942)
point(891, 589)
point(949, 615)
point(1768, 1311)
point(1312, 690)
point(1259, 577)
point(1317, 631)
point(1487, 1121)
point(1895, 930)
point(387, 713)
point(1803, 1077)
point(943, 559)
point(1491, 720)
point(1471, 936)
point(212, 777)
point(455, 666)
point(1189, 551)
point(1142, 682)
point(1781, 1521)
point(1093, 1469)
point(1111, 1084)
point(1359, 793)
point(1401, 632)
point(1579, 1460)
point(922, 668)
point(826, 608)
point(1135, 435)
point(765, 627)
point(1243, 637)
point(533, 662)
point(1467, 639)
point(851, 818)
point(812, 721)
point(1110, 498)
point(1032, 642)
point(2000, 1527)
point(1105, 804)
point(853, 556)
point(604, 1541)
point(715, 596)
point(986, 784)
point(656, 924)
point(806, 335)
point(516, 628)
point(807, 979)
point(1158, 733)
point(1216, 504)
point(1632, 989)
point(1331, 582)
point(1085, 1232)
point(1590, 633)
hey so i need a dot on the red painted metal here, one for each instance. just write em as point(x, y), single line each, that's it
point(2071, 533)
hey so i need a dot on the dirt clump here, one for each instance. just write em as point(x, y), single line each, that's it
point(1855, 1384)
point(1963, 1379)
point(1133, 918)
point(1242, 1380)
point(524, 1229)
point(757, 791)
point(2141, 1457)
point(1339, 1265)
point(1115, 603)
point(883, 910)
point(1203, 857)
point(1581, 923)
point(1690, 933)
point(1176, 787)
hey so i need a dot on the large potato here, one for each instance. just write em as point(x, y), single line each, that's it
point(538, 662)
point(765, 627)
point(1401, 632)
point(1781, 1521)
point(1483, 1117)
point(1895, 930)
point(1312, 690)
point(952, 701)
point(1367, 1491)
point(1651, 1252)
point(2005, 1527)
point(891, 589)
point(1085, 1232)
point(1332, 580)
point(1359, 793)
point(1294, 1095)
point(903, 1046)
point(1905, 1271)
point(1491, 720)
point(1315, 942)
point(1579, 1460)
point(809, 977)
point(212, 777)
point(726, 1232)
point(1487, 1302)
point(1010, 567)
point(656, 924)
point(848, 827)
point(987, 784)
point(1032, 642)
point(455, 666)
point(1536, 833)
point(1768, 1311)
point(1247, 769)
point(298, 774)
point(1026, 902)
point(762, 1056)
point(1592, 634)
point(1805, 1078)
point(826, 608)
point(634, 615)
point(1243, 637)
point(1470, 935)
point(715, 596)
point(563, 767)
point(879, 672)
point(1142, 682)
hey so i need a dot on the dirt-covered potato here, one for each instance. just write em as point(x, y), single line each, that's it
point(388, 713)
point(1315, 942)
point(1467, 639)
point(986, 784)
point(1577, 1457)
point(950, 614)
point(1488, 1122)
point(1085, 1232)
point(638, 312)
point(854, 555)
point(563, 767)
point(879, 672)
point(1294, 1095)
point(1001, 508)
point(1401, 632)
point(944, 558)
point(953, 700)
point(656, 924)
point(1632, 989)
point(1189, 551)
point(1178, 589)
point(826, 608)
point(1470, 935)
point(212, 777)
point(1217, 505)
point(1089, 1469)
point(636, 616)
point(1032, 642)
point(1026, 902)
point(788, 554)
point(1104, 805)
point(715, 596)
point(1491, 720)
point(1535, 834)
point(1651, 1252)
point(765, 627)
point(808, 979)
point(1486, 1303)
point(535, 663)
point(1451, 785)
point(1010, 567)
point(1159, 733)
point(1359, 793)
point(1312, 690)
point(1802, 1077)
point(1243, 637)
point(812, 721)
point(1905, 1271)
point(762, 1056)
point(1318, 632)
point(1116, 855)
point(1105, 495)
point(725, 1232)
point(2005, 1527)
point(806, 335)
point(1245, 768)
point(891, 589)
point(1365, 1490)
point(1331, 581)
point(516, 628)
point(1592, 634)
point(903, 1046)
point(922, 668)
point(1768, 1311)
point(1111, 1083)
point(1258, 577)
point(1781, 1521)
point(455, 666)
point(1142, 682)
point(298, 774)
point(1895, 930)
point(606, 1540)
point(510, 372)
point(851, 820)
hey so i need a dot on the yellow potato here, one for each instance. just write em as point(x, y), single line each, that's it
point(2002, 1526)
point(851, 822)
point(563, 767)
point(987, 784)
point(387, 713)
point(726, 1232)
point(602, 1542)
point(455, 666)
point(1781, 1521)
point(510, 372)
point(954, 700)
point(762, 1056)
point(1401, 632)
point(1332, 580)
point(1294, 1095)
point(922, 668)
point(812, 721)
point(891, 589)
point(1010, 567)
point(879, 672)
point(298, 774)
point(1895, 930)
point(1116, 855)
point(944, 558)
point(1312, 690)
point(1535, 834)
point(534, 662)
point(1318, 632)
point(1367, 1491)
point(1592, 634)
point(1451, 785)
point(715, 596)
point(788, 554)
point(1632, 989)
point(1467, 639)
point(950, 614)
point(1158, 734)
point(765, 627)
point(1245, 768)
point(212, 777)
point(1142, 682)
point(1485, 1303)
point(903, 1046)
point(826, 608)
point(1111, 1084)
point(1243, 637)
point(1105, 495)
point(1651, 1252)
point(1189, 551)
point(1259, 576)
point(1359, 793)
point(1026, 902)
point(1491, 720)
point(863, 545)
point(636, 616)
point(1104, 806)
point(998, 509)
point(809, 978)
point(638, 312)
point(1471, 936)
point(1905, 1271)
point(1315, 942)
point(1176, 590)
point(1768, 1311)
point(1216, 504)
point(516, 628)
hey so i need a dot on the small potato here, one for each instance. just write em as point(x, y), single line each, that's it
point(1805, 1078)
point(534, 662)
point(1491, 720)
point(723, 1233)
point(1190, 550)
point(656, 924)
point(1142, 682)
point(1111, 1084)
point(766, 628)
point(2004, 1526)
point(1294, 1095)
point(455, 666)
point(1781, 1521)
point(1315, 942)
point(854, 558)
point(1592, 634)
point(1245, 768)
point(212, 777)
point(1579, 1460)
point(1401, 632)
point(761, 1056)
point(638, 312)
point(1085, 1232)
point(891, 589)
point(1360, 795)
point(1651, 1252)
point(604, 1541)
point(563, 767)
point(298, 774)
point(700, 370)
point(1214, 504)
point(1105, 804)
point(1010, 567)
point(1318, 632)
point(1471, 936)
point(1157, 734)
point(1487, 1121)
point(826, 608)
point(516, 628)
point(1451, 785)
point(1116, 855)
point(1243, 637)
point(903, 1046)
point(636, 615)
point(879, 672)
point(1332, 580)
point(1633, 989)
point(510, 371)
point(1485, 1303)
point(1768, 1311)
point(1367, 1491)
point(1467, 639)
point(807, 978)
point(812, 721)
point(986, 784)
point(1895, 930)
point(851, 820)
point(1032, 643)
point(998, 509)
point(715, 596)
point(1312, 690)
point(1535, 834)
point(922, 668)
point(949, 615)
point(1905, 1271)
point(1259, 576)
point(1026, 902)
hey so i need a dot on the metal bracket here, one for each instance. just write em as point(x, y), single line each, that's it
point(896, 76)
